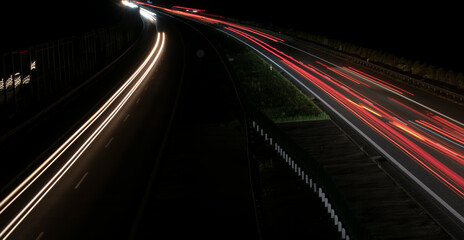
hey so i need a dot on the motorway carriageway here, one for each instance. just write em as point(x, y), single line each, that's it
point(425, 144)
point(65, 164)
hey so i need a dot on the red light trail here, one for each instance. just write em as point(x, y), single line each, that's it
point(406, 137)
point(431, 141)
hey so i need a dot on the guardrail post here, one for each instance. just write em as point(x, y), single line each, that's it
point(303, 173)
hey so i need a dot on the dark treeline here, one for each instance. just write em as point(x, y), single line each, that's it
point(422, 38)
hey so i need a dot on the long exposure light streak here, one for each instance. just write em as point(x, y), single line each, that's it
point(382, 120)
point(152, 58)
point(379, 81)
point(55, 155)
point(369, 117)
point(396, 118)
point(429, 138)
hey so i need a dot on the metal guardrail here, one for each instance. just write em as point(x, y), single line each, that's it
point(311, 173)
point(308, 169)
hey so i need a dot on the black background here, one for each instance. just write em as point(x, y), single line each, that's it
point(429, 31)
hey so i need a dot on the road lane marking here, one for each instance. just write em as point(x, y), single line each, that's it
point(127, 116)
point(109, 142)
point(353, 126)
point(13, 224)
point(40, 236)
point(138, 100)
point(80, 181)
point(381, 86)
point(49, 161)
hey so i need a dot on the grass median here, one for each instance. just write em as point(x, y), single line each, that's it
point(264, 87)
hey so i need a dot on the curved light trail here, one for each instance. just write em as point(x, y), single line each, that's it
point(81, 139)
point(433, 141)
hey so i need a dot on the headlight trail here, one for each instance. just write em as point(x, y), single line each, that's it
point(152, 58)
point(55, 155)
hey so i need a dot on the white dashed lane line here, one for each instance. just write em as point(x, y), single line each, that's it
point(80, 181)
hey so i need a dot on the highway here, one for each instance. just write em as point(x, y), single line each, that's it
point(98, 181)
point(418, 133)
point(89, 182)
point(92, 183)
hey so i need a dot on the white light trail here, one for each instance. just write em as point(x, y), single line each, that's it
point(129, 4)
point(42, 168)
point(145, 12)
point(31, 178)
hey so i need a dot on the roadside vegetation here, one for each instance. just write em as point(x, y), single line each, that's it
point(415, 68)
point(438, 75)
point(264, 87)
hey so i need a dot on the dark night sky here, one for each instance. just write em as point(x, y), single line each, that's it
point(425, 30)
point(26, 23)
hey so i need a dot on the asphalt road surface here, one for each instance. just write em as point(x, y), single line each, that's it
point(92, 182)
point(115, 174)
point(418, 133)
point(93, 185)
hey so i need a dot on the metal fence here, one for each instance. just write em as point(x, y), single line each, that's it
point(311, 172)
point(33, 78)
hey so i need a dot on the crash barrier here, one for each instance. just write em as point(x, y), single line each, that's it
point(311, 172)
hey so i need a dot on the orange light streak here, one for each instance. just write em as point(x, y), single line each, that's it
point(379, 81)
point(447, 134)
point(437, 169)
point(369, 113)
point(343, 75)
